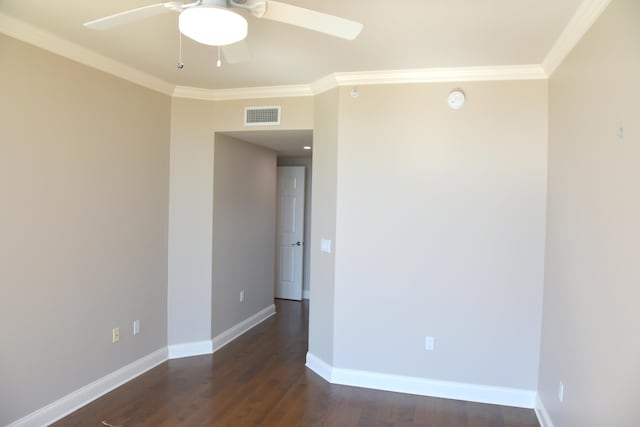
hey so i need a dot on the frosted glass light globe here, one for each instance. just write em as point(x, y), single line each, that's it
point(212, 26)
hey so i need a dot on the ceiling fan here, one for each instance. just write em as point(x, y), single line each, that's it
point(214, 23)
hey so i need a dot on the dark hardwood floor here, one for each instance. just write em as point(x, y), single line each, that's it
point(260, 380)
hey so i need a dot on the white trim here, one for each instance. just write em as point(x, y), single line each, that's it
point(234, 332)
point(436, 388)
point(196, 348)
point(435, 75)
point(429, 75)
point(585, 16)
point(332, 81)
point(319, 366)
point(541, 412)
point(423, 386)
point(285, 91)
point(306, 294)
point(28, 33)
point(77, 399)
point(324, 84)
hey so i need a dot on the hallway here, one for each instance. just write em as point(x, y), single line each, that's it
point(260, 380)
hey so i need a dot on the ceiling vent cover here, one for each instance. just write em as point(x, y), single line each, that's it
point(262, 116)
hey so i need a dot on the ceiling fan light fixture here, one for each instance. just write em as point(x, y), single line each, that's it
point(212, 26)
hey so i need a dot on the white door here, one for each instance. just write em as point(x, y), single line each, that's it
point(290, 228)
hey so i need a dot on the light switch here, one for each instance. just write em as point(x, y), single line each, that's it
point(325, 245)
point(429, 343)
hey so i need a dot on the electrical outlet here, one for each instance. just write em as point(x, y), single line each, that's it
point(242, 296)
point(429, 343)
point(136, 327)
point(561, 392)
point(116, 335)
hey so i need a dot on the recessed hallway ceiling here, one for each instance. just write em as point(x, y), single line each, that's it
point(287, 143)
point(397, 35)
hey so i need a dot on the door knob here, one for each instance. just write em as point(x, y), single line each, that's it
point(296, 244)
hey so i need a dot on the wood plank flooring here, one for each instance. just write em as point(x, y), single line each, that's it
point(260, 380)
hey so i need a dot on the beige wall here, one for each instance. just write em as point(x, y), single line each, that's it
point(193, 126)
point(84, 172)
point(244, 230)
point(440, 231)
point(190, 213)
point(591, 294)
point(437, 220)
point(323, 226)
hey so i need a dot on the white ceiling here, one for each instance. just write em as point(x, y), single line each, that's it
point(409, 34)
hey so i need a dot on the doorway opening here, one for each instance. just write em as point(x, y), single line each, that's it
point(293, 216)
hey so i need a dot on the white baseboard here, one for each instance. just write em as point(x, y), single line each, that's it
point(423, 386)
point(189, 349)
point(541, 412)
point(198, 348)
point(306, 294)
point(319, 366)
point(234, 332)
point(77, 399)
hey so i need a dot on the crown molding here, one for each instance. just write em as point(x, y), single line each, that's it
point(325, 84)
point(429, 75)
point(436, 75)
point(332, 81)
point(29, 34)
point(285, 91)
point(585, 16)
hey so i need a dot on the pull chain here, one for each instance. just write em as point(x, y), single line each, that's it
point(180, 65)
point(219, 62)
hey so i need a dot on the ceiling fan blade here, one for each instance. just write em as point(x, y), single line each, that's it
point(132, 15)
point(236, 52)
point(312, 20)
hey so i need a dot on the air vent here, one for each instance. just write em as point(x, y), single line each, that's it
point(261, 116)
